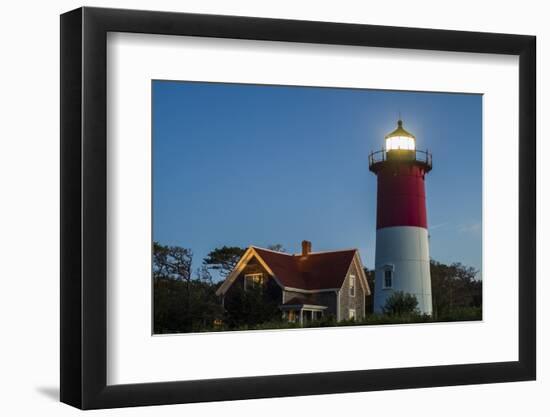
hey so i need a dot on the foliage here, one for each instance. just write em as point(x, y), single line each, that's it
point(182, 307)
point(277, 247)
point(186, 302)
point(454, 286)
point(171, 262)
point(459, 314)
point(251, 307)
point(181, 303)
point(401, 304)
point(224, 259)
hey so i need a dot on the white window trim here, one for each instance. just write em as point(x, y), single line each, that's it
point(350, 315)
point(384, 286)
point(353, 280)
point(261, 275)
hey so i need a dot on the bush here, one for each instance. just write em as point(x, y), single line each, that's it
point(461, 314)
point(250, 308)
point(400, 303)
point(456, 314)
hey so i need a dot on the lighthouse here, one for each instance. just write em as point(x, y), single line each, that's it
point(402, 260)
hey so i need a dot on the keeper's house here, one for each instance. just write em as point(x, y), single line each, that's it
point(306, 286)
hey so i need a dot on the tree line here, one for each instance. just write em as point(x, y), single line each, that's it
point(185, 301)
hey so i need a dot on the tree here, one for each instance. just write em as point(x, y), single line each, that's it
point(182, 302)
point(454, 286)
point(172, 286)
point(223, 260)
point(277, 247)
point(204, 275)
point(250, 307)
point(172, 262)
point(160, 261)
point(400, 303)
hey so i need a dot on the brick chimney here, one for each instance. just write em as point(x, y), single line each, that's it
point(306, 247)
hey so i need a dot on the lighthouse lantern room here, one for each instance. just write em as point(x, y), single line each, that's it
point(402, 260)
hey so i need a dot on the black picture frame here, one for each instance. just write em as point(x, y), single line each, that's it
point(84, 207)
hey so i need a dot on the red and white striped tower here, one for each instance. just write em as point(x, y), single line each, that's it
point(402, 249)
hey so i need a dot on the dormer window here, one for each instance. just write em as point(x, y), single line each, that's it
point(253, 281)
point(352, 285)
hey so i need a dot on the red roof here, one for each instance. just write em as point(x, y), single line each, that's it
point(315, 271)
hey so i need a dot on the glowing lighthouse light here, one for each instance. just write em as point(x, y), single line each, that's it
point(400, 139)
point(402, 260)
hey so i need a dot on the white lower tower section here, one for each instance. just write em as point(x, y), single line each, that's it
point(403, 264)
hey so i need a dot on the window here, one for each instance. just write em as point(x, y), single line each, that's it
point(253, 281)
point(388, 278)
point(352, 285)
point(291, 316)
point(400, 142)
point(352, 314)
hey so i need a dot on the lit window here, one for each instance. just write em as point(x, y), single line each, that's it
point(352, 285)
point(400, 142)
point(388, 278)
point(292, 316)
point(400, 139)
point(352, 314)
point(253, 281)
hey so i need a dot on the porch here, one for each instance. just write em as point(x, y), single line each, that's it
point(296, 311)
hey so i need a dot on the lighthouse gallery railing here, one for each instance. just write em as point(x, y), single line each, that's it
point(424, 157)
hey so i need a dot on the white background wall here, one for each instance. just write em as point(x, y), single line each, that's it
point(29, 206)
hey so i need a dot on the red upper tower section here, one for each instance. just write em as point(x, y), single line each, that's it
point(400, 169)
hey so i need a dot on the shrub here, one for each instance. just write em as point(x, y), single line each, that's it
point(400, 303)
point(461, 314)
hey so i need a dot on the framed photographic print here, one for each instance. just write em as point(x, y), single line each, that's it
point(258, 208)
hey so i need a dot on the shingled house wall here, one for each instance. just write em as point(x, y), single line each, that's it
point(329, 299)
point(347, 302)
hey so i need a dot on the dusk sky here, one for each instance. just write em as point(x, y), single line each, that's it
point(242, 165)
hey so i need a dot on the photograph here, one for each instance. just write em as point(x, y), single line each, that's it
point(291, 207)
point(244, 195)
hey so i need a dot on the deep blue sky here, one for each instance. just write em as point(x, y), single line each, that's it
point(248, 165)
